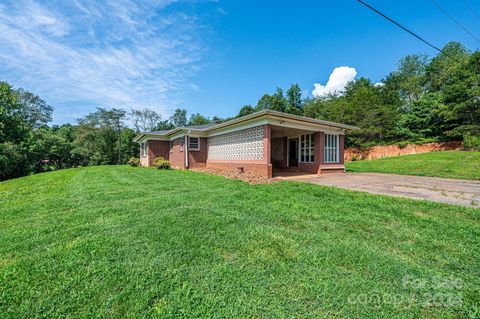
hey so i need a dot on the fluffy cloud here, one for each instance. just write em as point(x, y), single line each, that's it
point(336, 82)
point(113, 53)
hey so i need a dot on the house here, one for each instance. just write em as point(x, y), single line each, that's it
point(261, 143)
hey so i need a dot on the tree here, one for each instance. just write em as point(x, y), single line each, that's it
point(35, 111)
point(246, 110)
point(294, 100)
point(424, 120)
point(50, 148)
point(13, 161)
point(21, 114)
point(164, 125)
point(445, 64)
point(362, 105)
point(279, 103)
point(461, 92)
point(144, 120)
point(409, 79)
point(179, 118)
point(198, 119)
point(276, 102)
point(12, 127)
point(264, 103)
point(114, 118)
point(98, 137)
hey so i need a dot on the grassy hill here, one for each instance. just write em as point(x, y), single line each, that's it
point(451, 164)
point(124, 242)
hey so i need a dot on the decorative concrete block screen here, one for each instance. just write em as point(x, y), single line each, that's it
point(246, 144)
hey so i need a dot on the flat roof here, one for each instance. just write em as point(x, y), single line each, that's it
point(214, 126)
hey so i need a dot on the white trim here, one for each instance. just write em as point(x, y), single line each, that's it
point(304, 126)
point(310, 150)
point(181, 146)
point(336, 147)
point(144, 149)
point(176, 135)
point(186, 151)
point(239, 127)
point(147, 138)
point(198, 143)
point(255, 119)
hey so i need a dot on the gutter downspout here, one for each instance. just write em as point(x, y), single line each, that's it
point(186, 150)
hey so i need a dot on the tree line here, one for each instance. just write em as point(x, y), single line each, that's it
point(423, 99)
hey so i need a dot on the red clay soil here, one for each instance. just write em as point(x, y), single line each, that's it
point(245, 176)
point(381, 151)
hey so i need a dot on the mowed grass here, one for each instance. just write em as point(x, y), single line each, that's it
point(451, 164)
point(121, 242)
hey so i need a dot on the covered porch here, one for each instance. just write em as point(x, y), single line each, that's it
point(296, 152)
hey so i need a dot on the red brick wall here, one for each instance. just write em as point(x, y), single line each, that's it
point(177, 156)
point(394, 150)
point(319, 166)
point(259, 169)
point(156, 149)
point(198, 159)
point(314, 168)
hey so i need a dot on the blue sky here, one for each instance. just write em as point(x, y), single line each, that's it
point(210, 57)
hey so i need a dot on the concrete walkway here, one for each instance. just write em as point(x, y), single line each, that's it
point(445, 190)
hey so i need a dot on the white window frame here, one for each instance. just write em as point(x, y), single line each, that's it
point(190, 147)
point(144, 149)
point(182, 142)
point(308, 148)
point(170, 146)
point(331, 150)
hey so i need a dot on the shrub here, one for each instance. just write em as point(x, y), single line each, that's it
point(471, 142)
point(13, 161)
point(403, 144)
point(161, 163)
point(134, 162)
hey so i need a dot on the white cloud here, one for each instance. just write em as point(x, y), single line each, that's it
point(336, 82)
point(116, 53)
point(379, 84)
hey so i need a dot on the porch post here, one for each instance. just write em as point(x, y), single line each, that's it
point(267, 148)
point(319, 150)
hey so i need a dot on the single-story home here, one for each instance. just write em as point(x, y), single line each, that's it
point(261, 143)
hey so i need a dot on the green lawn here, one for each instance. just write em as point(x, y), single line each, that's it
point(120, 242)
point(452, 164)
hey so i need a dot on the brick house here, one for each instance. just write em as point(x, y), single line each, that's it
point(263, 143)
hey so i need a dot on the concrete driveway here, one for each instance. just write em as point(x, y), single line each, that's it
point(444, 190)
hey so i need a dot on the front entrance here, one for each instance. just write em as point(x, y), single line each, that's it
point(293, 152)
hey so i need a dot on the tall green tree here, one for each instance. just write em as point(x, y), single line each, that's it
point(98, 137)
point(21, 113)
point(144, 120)
point(179, 118)
point(294, 100)
point(198, 119)
point(246, 110)
point(264, 103)
point(408, 80)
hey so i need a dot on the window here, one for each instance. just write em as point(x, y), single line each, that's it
point(331, 148)
point(193, 143)
point(307, 148)
point(170, 146)
point(143, 149)
point(182, 141)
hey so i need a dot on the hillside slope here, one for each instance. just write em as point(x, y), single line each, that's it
point(129, 242)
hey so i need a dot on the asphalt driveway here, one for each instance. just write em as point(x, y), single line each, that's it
point(445, 190)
